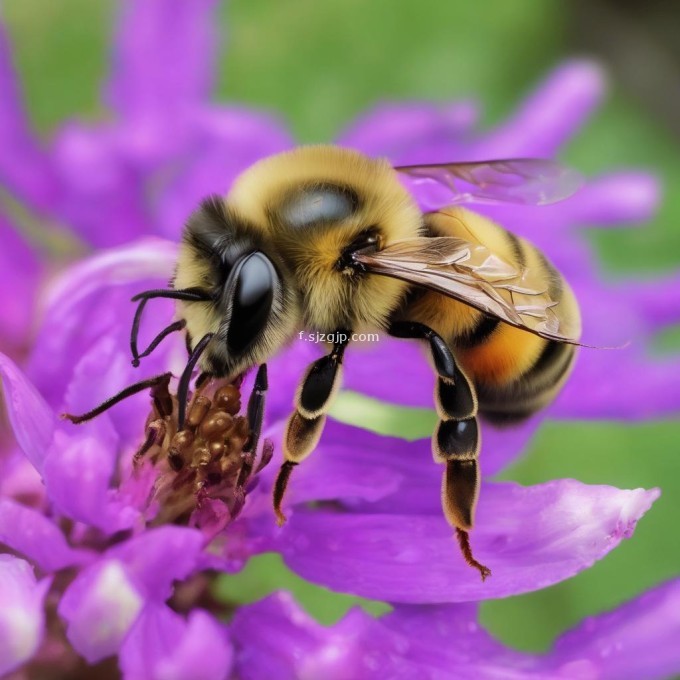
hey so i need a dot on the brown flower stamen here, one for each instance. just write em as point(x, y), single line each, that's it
point(204, 463)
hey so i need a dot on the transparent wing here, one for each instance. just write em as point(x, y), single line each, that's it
point(527, 181)
point(474, 275)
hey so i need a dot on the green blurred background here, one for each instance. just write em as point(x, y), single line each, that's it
point(318, 64)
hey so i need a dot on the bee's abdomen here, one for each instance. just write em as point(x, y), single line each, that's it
point(531, 391)
point(515, 372)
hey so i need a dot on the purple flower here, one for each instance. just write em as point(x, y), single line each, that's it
point(111, 559)
point(20, 274)
point(445, 641)
point(126, 572)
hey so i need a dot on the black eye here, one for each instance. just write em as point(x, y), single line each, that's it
point(318, 204)
point(255, 281)
point(369, 240)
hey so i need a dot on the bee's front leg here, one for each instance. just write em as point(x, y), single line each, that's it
point(255, 413)
point(312, 401)
point(456, 440)
point(161, 396)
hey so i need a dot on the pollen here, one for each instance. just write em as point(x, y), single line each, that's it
point(204, 470)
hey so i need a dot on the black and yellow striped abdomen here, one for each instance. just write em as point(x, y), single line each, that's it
point(515, 373)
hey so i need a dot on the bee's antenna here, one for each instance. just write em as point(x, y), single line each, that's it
point(183, 387)
point(187, 294)
point(134, 331)
point(175, 326)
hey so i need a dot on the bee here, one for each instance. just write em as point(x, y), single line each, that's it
point(326, 239)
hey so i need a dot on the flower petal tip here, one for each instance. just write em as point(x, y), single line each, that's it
point(31, 418)
point(618, 199)
point(638, 502)
point(581, 82)
point(22, 621)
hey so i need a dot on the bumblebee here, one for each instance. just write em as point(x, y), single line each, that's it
point(326, 239)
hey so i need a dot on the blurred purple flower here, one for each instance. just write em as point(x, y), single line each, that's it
point(20, 274)
point(91, 571)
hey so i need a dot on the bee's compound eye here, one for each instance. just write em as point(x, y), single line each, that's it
point(256, 280)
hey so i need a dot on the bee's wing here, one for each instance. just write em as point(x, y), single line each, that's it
point(471, 273)
point(528, 181)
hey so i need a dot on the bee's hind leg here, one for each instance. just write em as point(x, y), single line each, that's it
point(456, 440)
point(312, 401)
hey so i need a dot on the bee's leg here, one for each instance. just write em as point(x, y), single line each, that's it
point(456, 439)
point(202, 380)
point(304, 427)
point(155, 433)
point(185, 379)
point(162, 399)
point(255, 414)
point(159, 385)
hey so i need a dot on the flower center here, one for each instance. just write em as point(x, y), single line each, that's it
point(202, 472)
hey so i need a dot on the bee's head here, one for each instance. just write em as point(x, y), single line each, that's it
point(319, 205)
point(253, 307)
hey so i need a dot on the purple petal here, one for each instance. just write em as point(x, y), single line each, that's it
point(385, 474)
point(36, 537)
point(530, 537)
point(411, 132)
point(22, 621)
point(394, 370)
point(105, 599)
point(162, 644)
point(258, 131)
point(78, 471)
point(637, 640)
point(23, 167)
point(163, 58)
point(609, 318)
point(657, 301)
point(92, 300)
point(275, 638)
point(226, 141)
point(149, 258)
point(19, 480)
point(99, 607)
point(103, 370)
point(103, 197)
point(615, 200)
point(455, 640)
point(19, 273)
point(349, 464)
point(500, 447)
point(32, 420)
point(549, 117)
point(158, 557)
point(620, 384)
point(285, 370)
